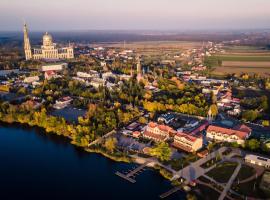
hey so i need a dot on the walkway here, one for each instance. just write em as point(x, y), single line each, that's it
point(98, 140)
point(194, 170)
point(212, 187)
point(230, 182)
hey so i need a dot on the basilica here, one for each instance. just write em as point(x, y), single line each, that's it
point(48, 51)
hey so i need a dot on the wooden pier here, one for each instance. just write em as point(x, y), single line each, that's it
point(170, 192)
point(132, 173)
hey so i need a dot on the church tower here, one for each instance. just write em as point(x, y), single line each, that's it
point(27, 46)
point(139, 69)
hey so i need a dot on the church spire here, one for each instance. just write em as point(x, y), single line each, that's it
point(27, 46)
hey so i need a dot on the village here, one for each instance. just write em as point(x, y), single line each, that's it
point(168, 113)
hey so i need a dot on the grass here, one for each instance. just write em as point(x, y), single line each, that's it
point(208, 193)
point(223, 172)
point(245, 172)
point(248, 189)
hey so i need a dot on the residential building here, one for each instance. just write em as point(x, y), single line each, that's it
point(158, 132)
point(237, 134)
point(258, 160)
point(166, 118)
point(31, 79)
point(54, 67)
point(187, 142)
point(63, 102)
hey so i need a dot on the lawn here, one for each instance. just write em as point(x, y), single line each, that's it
point(251, 189)
point(245, 172)
point(223, 172)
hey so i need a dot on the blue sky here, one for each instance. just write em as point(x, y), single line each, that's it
point(134, 14)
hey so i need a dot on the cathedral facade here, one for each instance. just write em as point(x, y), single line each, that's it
point(48, 50)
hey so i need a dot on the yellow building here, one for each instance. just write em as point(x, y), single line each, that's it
point(48, 50)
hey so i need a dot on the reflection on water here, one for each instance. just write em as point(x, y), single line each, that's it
point(37, 165)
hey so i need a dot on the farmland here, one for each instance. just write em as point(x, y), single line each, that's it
point(238, 60)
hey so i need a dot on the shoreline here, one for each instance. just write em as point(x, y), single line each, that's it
point(162, 172)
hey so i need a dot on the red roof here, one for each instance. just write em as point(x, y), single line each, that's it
point(188, 137)
point(162, 127)
point(50, 73)
point(218, 129)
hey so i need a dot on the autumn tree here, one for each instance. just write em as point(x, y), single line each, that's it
point(110, 144)
point(161, 151)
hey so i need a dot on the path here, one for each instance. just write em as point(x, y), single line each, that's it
point(101, 138)
point(230, 182)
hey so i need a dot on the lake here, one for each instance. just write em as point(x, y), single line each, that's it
point(35, 165)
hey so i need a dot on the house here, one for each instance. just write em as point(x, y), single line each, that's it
point(237, 134)
point(157, 132)
point(49, 75)
point(187, 142)
point(257, 160)
point(203, 154)
point(136, 134)
point(133, 126)
point(31, 79)
point(166, 118)
point(62, 103)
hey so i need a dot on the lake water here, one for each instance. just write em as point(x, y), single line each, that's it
point(36, 166)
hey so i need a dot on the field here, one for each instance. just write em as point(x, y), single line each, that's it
point(245, 59)
point(152, 48)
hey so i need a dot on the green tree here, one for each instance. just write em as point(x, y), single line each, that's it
point(250, 115)
point(161, 151)
point(252, 144)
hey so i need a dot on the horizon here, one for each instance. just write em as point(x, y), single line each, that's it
point(175, 15)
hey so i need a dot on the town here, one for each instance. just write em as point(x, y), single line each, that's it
point(159, 108)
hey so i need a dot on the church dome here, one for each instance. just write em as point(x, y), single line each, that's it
point(47, 39)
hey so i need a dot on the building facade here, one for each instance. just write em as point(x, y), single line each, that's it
point(258, 160)
point(238, 135)
point(48, 51)
point(158, 132)
point(187, 142)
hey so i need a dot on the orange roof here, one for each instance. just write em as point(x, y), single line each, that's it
point(161, 127)
point(240, 134)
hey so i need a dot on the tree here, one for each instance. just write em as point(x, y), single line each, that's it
point(142, 120)
point(214, 110)
point(110, 144)
point(253, 144)
point(250, 115)
point(161, 151)
point(191, 197)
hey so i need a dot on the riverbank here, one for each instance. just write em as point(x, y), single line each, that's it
point(45, 166)
point(120, 157)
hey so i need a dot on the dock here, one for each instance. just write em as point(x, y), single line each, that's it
point(170, 192)
point(132, 173)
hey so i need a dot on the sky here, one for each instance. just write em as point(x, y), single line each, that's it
point(134, 14)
